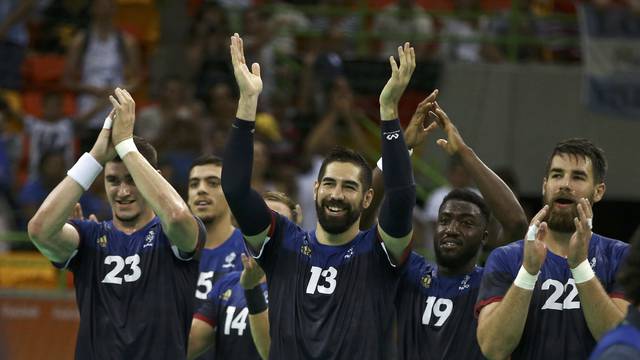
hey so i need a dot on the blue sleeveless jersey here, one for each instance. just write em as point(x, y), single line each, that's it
point(626, 334)
point(328, 302)
point(215, 263)
point(555, 309)
point(435, 313)
point(226, 311)
point(134, 292)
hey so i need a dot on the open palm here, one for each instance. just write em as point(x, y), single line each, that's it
point(249, 82)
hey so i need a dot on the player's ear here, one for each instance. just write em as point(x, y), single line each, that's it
point(367, 198)
point(315, 190)
point(544, 185)
point(599, 192)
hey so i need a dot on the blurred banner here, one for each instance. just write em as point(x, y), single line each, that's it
point(37, 327)
point(611, 53)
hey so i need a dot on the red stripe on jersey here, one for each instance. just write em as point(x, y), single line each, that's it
point(617, 295)
point(205, 319)
point(483, 303)
point(272, 226)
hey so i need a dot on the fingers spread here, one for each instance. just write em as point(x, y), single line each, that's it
point(255, 69)
point(394, 66)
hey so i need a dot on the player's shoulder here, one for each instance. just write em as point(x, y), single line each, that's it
point(608, 244)
point(512, 249)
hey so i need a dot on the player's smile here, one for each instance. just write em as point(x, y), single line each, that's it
point(450, 243)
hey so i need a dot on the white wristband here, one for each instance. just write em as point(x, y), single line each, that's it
point(107, 123)
point(125, 146)
point(85, 171)
point(532, 232)
point(583, 272)
point(379, 163)
point(524, 280)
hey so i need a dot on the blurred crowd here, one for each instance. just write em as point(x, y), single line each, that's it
point(61, 58)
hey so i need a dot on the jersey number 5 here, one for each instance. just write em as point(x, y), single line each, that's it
point(329, 276)
point(112, 277)
point(206, 280)
point(440, 308)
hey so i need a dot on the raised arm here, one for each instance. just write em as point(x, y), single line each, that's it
point(501, 324)
point(250, 279)
point(601, 312)
point(48, 229)
point(248, 207)
point(177, 221)
point(396, 211)
point(414, 135)
point(501, 200)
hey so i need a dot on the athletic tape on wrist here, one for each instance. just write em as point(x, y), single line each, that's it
point(107, 123)
point(590, 223)
point(532, 232)
point(126, 146)
point(85, 171)
point(524, 280)
point(583, 272)
point(379, 163)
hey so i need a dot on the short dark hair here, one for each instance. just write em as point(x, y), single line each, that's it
point(468, 196)
point(206, 160)
point(341, 154)
point(585, 148)
point(629, 274)
point(146, 150)
point(284, 199)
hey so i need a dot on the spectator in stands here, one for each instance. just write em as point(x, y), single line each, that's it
point(51, 170)
point(405, 20)
point(14, 40)
point(462, 32)
point(339, 126)
point(176, 101)
point(53, 132)
point(99, 60)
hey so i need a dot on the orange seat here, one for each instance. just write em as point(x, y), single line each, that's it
point(43, 70)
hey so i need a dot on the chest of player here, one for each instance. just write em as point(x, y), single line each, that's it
point(437, 301)
point(121, 261)
point(556, 290)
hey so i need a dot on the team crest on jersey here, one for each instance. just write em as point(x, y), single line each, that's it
point(148, 240)
point(465, 283)
point(228, 260)
point(102, 241)
point(349, 253)
point(305, 250)
point(226, 295)
point(593, 263)
point(426, 281)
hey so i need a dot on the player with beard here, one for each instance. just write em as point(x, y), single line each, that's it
point(135, 275)
point(435, 302)
point(221, 321)
point(331, 290)
point(221, 253)
point(553, 294)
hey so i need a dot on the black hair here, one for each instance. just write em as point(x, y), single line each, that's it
point(585, 148)
point(471, 197)
point(341, 154)
point(146, 150)
point(206, 160)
